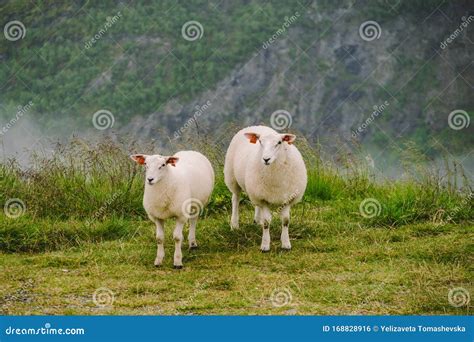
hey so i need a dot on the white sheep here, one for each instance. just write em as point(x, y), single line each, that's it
point(176, 187)
point(269, 168)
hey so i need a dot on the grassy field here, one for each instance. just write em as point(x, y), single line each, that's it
point(83, 245)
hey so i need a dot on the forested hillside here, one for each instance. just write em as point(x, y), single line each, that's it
point(250, 59)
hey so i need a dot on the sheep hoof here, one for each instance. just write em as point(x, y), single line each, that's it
point(178, 267)
point(286, 249)
point(193, 246)
point(265, 250)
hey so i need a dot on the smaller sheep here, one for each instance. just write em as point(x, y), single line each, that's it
point(269, 168)
point(176, 187)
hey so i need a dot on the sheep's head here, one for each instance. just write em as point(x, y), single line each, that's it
point(156, 166)
point(270, 144)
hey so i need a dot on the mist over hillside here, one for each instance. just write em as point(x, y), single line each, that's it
point(346, 75)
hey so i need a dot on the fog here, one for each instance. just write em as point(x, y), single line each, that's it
point(26, 137)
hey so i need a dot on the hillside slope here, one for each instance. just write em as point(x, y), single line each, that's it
point(253, 58)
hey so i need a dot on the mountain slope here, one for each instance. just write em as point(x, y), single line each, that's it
point(253, 58)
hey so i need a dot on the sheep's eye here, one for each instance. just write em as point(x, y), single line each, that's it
point(163, 165)
point(279, 142)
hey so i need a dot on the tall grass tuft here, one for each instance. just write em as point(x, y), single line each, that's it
point(96, 181)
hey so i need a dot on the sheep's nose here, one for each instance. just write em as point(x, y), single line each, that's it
point(150, 180)
point(266, 160)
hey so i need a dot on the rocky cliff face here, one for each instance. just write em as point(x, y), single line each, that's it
point(339, 87)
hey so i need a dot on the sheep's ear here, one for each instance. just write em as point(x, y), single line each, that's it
point(172, 160)
point(139, 158)
point(252, 137)
point(289, 138)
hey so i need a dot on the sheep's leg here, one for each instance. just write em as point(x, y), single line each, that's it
point(192, 233)
point(285, 219)
point(160, 240)
point(265, 220)
point(256, 218)
point(178, 239)
point(234, 221)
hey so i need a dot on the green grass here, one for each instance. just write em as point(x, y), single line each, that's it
point(337, 268)
point(84, 228)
